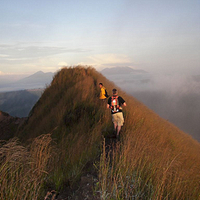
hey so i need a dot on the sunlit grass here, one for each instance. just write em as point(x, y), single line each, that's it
point(142, 166)
point(63, 140)
point(23, 170)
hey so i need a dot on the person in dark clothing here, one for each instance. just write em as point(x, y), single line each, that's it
point(115, 103)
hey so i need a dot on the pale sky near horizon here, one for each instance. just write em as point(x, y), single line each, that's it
point(152, 35)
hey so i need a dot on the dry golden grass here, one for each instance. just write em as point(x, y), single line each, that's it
point(132, 171)
point(23, 170)
point(153, 160)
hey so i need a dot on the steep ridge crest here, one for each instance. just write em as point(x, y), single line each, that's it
point(152, 159)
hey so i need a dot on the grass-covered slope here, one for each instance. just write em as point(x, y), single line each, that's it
point(70, 102)
point(65, 133)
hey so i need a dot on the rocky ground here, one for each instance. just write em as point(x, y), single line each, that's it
point(85, 191)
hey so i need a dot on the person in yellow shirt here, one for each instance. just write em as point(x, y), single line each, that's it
point(102, 95)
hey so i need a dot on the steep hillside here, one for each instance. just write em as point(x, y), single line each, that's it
point(67, 138)
point(9, 125)
point(71, 99)
point(19, 103)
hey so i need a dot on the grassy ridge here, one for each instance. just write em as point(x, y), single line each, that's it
point(153, 160)
point(71, 112)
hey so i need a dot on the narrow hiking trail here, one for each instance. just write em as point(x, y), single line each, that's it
point(85, 191)
point(87, 188)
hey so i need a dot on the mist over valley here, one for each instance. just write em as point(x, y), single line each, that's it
point(19, 103)
point(174, 97)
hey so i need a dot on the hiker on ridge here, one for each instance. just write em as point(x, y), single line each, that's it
point(103, 93)
point(115, 103)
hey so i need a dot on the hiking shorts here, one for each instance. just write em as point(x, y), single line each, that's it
point(118, 118)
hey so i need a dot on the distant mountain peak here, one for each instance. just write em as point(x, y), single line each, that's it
point(121, 70)
point(39, 76)
point(39, 72)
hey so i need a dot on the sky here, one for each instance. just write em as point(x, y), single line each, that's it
point(153, 35)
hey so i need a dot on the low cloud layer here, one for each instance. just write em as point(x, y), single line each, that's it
point(101, 61)
point(176, 98)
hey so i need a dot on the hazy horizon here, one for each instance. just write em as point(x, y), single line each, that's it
point(161, 37)
point(22, 82)
point(174, 97)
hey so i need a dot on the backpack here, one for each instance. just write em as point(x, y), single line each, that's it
point(115, 104)
point(106, 94)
